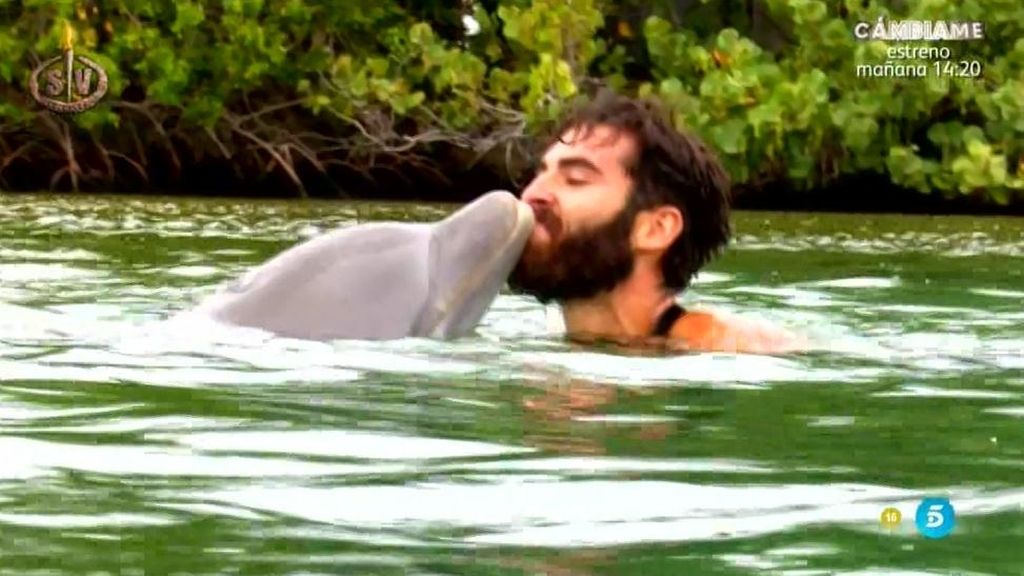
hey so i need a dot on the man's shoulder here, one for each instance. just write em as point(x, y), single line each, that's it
point(715, 331)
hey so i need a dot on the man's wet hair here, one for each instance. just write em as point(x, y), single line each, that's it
point(671, 167)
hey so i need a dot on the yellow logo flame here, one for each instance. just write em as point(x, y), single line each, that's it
point(68, 37)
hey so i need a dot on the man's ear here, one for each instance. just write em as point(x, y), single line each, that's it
point(656, 229)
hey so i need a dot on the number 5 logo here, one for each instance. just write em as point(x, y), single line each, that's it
point(935, 517)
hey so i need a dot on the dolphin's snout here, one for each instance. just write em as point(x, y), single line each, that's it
point(475, 250)
point(490, 222)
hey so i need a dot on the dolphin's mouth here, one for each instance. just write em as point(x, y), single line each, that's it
point(526, 219)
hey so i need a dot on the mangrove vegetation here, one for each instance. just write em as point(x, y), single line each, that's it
point(402, 97)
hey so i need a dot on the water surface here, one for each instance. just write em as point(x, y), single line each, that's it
point(132, 445)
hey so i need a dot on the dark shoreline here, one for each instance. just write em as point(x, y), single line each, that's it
point(868, 194)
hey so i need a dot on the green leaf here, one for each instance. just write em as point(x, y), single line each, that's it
point(973, 134)
point(188, 16)
point(730, 136)
point(670, 87)
point(946, 133)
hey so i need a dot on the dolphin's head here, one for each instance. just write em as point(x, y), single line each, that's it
point(472, 253)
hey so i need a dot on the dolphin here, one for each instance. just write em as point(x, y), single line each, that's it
point(384, 280)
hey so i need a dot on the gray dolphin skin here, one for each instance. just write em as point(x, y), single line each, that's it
point(384, 280)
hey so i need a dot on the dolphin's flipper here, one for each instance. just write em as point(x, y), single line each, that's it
point(384, 280)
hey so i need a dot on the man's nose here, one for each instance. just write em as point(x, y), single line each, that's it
point(537, 194)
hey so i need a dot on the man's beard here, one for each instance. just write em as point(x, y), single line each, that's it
point(580, 265)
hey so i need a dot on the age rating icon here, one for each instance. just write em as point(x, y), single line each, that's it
point(891, 518)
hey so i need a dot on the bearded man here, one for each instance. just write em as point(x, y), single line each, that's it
point(628, 210)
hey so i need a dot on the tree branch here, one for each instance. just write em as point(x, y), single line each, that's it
point(266, 146)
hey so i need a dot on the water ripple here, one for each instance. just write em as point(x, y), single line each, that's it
point(125, 420)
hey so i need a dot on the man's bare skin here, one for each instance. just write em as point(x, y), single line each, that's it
point(706, 331)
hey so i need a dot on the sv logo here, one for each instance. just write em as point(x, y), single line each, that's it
point(68, 78)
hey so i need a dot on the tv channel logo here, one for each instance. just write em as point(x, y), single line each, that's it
point(935, 517)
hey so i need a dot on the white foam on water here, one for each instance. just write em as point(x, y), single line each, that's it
point(340, 444)
point(54, 255)
point(595, 465)
point(74, 521)
point(720, 369)
point(194, 271)
point(33, 272)
point(1017, 411)
point(136, 424)
point(923, 391)
point(625, 418)
point(10, 411)
point(190, 377)
point(26, 458)
point(857, 283)
point(512, 512)
point(997, 293)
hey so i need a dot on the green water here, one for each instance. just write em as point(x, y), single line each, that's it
point(134, 445)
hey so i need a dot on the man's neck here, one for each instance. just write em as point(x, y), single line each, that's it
point(629, 310)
